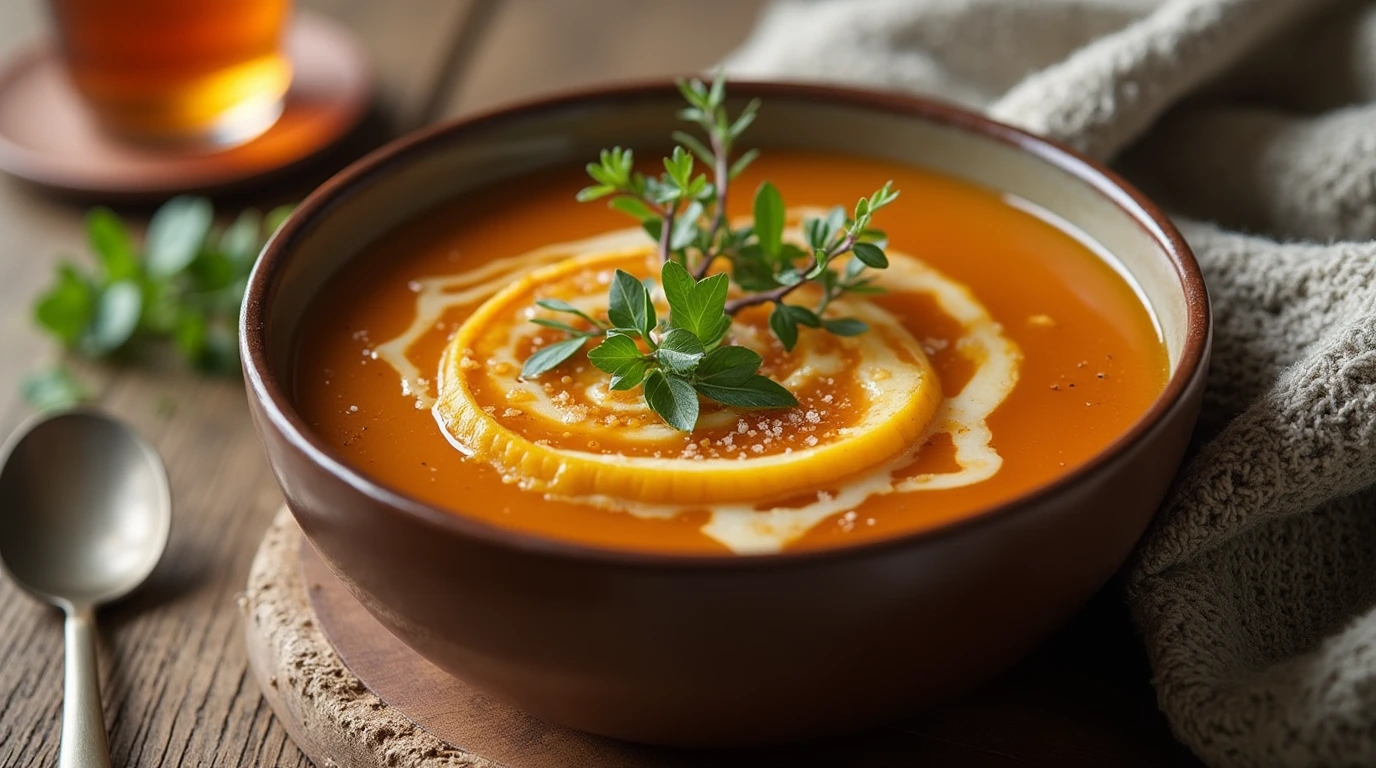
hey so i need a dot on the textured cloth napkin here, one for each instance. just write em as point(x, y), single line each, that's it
point(1254, 122)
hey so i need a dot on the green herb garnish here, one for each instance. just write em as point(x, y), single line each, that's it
point(183, 286)
point(54, 389)
point(679, 358)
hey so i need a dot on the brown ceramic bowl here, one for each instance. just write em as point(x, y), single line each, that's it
point(722, 650)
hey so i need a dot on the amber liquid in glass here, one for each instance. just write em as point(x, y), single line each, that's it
point(178, 70)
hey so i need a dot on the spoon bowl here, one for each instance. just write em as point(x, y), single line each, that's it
point(84, 509)
point(84, 517)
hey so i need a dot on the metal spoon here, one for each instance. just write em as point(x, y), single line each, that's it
point(84, 517)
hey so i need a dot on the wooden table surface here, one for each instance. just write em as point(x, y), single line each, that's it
point(175, 684)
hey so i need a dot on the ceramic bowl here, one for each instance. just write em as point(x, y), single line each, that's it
point(722, 650)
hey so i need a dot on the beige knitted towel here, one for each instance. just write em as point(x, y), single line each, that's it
point(1255, 591)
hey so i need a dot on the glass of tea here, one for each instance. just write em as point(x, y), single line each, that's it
point(177, 71)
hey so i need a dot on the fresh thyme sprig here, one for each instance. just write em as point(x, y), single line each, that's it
point(682, 357)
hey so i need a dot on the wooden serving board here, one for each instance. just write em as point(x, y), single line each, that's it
point(351, 694)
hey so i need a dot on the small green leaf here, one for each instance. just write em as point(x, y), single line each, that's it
point(718, 92)
point(551, 356)
point(819, 265)
point(845, 326)
point(679, 351)
point(877, 236)
point(725, 366)
point(66, 309)
point(191, 334)
point(697, 307)
point(596, 192)
point(784, 326)
point(862, 208)
point(685, 227)
point(695, 145)
point(742, 163)
point(559, 305)
point(693, 91)
point(802, 315)
point(630, 305)
point(212, 271)
point(116, 316)
point(220, 356)
point(558, 326)
point(110, 240)
point(713, 335)
point(634, 208)
point(629, 375)
point(835, 221)
point(679, 166)
point(673, 399)
point(176, 234)
point(614, 352)
point(769, 218)
point(753, 274)
point(789, 253)
point(853, 268)
point(53, 390)
point(600, 173)
point(693, 115)
point(814, 232)
point(161, 307)
point(871, 255)
point(865, 288)
point(883, 196)
point(243, 239)
point(755, 392)
point(743, 121)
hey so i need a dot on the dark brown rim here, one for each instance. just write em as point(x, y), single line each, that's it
point(278, 408)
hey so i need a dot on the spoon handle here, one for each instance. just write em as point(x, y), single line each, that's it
point(83, 723)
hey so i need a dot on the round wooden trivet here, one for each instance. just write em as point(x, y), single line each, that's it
point(330, 714)
point(352, 695)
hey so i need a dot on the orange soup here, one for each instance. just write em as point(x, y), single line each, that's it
point(1003, 353)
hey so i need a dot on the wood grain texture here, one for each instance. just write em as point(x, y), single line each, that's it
point(175, 682)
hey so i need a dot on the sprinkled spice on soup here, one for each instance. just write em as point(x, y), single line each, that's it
point(748, 378)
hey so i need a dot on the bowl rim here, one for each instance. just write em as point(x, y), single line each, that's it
point(276, 403)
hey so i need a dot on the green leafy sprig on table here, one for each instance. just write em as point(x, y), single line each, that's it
point(679, 358)
point(183, 286)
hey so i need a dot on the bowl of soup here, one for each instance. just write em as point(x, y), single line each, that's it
point(947, 489)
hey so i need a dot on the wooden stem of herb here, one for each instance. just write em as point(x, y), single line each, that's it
point(666, 231)
point(777, 295)
point(721, 178)
point(686, 357)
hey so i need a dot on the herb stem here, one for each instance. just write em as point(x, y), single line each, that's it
point(707, 260)
point(666, 228)
point(722, 174)
point(777, 295)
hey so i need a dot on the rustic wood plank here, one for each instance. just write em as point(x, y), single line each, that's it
point(541, 46)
